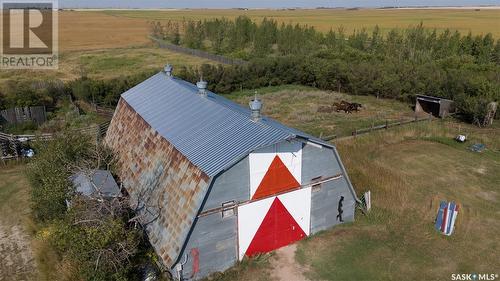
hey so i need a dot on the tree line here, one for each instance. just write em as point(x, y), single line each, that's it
point(399, 64)
point(247, 39)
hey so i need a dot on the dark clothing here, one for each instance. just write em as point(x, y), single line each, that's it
point(339, 216)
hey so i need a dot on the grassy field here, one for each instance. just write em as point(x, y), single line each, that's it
point(91, 30)
point(409, 170)
point(107, 63)
point(110, 43)
point(477, 22)
point(297, 106)
point(96, 30)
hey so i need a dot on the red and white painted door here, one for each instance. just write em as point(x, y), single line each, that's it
point(279, 213)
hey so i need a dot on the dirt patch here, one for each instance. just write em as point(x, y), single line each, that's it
point(17, 262)
point(285, 268)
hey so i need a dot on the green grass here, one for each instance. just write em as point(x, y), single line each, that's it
point(297, 106)
point(14, 195)
point(409, 171)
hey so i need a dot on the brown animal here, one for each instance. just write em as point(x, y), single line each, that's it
point(347, 107)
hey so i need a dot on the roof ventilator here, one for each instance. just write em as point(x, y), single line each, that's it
point(168, 70)
point(255, 107)
point(202, 87)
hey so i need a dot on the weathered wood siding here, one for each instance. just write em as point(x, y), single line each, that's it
point(157, 175)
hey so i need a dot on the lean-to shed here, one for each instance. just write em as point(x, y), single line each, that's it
point(217, 181)
point(438, 107)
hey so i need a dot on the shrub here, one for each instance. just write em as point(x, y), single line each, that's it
point(49, 173)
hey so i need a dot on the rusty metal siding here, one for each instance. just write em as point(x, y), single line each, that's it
point(215, 240)
point(153, 170)
point(324, 201)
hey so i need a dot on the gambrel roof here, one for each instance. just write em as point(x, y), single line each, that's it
point(212, 132)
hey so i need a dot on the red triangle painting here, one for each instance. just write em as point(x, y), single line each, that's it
point(277, 179)
point(278, 229)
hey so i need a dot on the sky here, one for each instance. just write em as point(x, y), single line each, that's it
point(264, 3)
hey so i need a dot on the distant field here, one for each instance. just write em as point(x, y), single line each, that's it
point(477, 22)
point(98, 29)
point(107, 63)
point(110, 43)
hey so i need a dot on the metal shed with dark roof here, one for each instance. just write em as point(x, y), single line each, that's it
point(218, 181)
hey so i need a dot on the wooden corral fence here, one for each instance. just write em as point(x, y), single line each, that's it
point(18, 115)
point(104, 112)
point(197, 53)
point(389, 124)
point(10, 145)
point(386, 125)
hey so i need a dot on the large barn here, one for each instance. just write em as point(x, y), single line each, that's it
point(215, 182)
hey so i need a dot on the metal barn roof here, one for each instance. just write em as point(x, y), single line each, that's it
point(212, 132)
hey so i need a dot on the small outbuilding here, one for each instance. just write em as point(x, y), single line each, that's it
point(217, 181)
point(99, 183)
point(438, 107)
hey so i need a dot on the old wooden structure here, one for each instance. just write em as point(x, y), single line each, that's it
point(216, 181)
point(438, 107)
point(16, 115)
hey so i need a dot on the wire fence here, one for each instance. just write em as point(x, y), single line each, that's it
point(197, 53)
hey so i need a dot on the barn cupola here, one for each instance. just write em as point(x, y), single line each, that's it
point(255, 107)
point(168, 70)
point(202, 87)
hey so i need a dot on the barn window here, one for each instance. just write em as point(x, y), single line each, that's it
point(227, 209)
point(316, 184)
